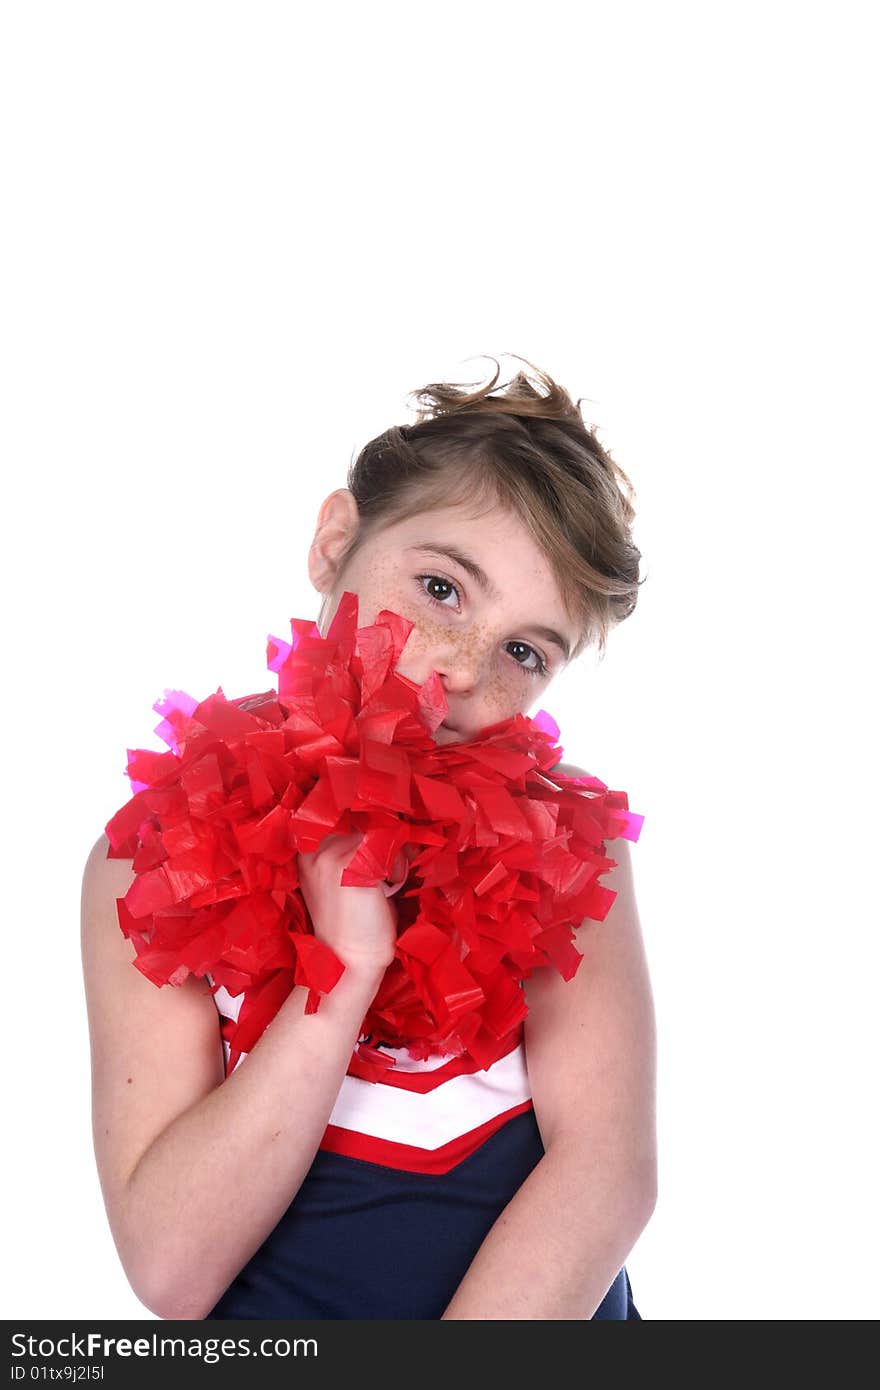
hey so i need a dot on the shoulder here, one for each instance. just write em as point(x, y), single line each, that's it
point(590, 1041)
point(99, 852)
point(610, 989)
point(619, 848)
point(613, 943)
point(108, 953)
point(103, 872)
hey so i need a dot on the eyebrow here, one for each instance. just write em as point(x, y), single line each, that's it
point(479, 575)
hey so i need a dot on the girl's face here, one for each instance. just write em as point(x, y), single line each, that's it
point(487, 614)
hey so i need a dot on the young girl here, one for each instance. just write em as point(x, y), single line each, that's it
point(295, 1188)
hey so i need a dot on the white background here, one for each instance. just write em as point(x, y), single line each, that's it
point(235, 237)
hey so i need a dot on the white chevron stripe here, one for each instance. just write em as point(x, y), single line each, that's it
point(426, 1120)
point(436, 1117)
point(227, 1004)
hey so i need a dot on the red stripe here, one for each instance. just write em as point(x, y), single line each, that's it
point(390, 1154)
point(423, 1081)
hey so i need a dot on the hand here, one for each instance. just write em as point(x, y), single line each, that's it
point(359, 924)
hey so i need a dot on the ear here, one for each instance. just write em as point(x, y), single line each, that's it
point(337, 525)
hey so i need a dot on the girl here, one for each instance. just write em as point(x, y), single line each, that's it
point(294, 1188)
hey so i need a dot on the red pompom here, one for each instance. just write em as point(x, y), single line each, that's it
point(504, 857)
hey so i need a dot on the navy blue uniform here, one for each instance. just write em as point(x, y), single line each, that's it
point(410, 1176)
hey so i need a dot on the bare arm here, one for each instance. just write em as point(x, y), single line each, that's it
point(591, 1054)
point(197, 1171)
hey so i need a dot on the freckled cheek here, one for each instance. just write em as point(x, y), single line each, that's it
point(427, 644)
point(372, 599)
point(505, 694)
point(427, 635)
point(408, 607)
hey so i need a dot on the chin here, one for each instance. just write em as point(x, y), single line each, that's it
point(442, 734)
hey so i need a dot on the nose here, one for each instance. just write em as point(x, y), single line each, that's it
point(458, 679)
point(460, 666)
point(458, 676)
point(462, 670)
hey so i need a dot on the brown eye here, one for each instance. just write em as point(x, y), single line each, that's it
point(437, 579)
point(540, 669)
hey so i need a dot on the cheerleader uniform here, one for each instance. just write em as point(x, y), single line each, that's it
point(410, 1175)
